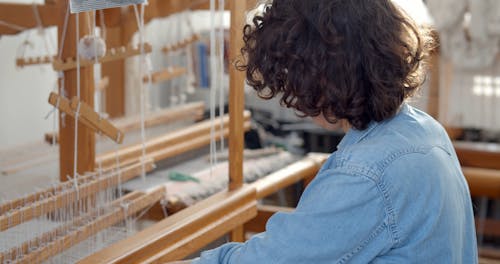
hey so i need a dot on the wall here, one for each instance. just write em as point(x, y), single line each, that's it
point(23, 92)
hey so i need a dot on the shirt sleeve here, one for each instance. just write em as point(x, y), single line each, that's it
point(340, 217)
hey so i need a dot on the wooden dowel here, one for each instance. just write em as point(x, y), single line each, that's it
point(165, 75)
point(189, 145)
point(155, 144)
point(111, 55)
point(190, 111)
point(182, 44)
point(21, 62)
point(49, 204)
point(102, 222)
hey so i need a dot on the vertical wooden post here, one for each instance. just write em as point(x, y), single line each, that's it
point(86, 137)
point(236, 95)
point(433, 96)
point(236, 104)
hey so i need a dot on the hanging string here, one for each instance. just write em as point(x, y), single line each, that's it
point(213, 86)
point(103, 24)
point(140, 25)
point(77, 112)
point(221, 71)
point(12, 26)
point(41, 30)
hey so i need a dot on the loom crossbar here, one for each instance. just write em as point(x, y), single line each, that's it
point(165, 75)
point(63, 199)
point(49, 236)
point(111, 55)
point(102, 222)
point(158, 143)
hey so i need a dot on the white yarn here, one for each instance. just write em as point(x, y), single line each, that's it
point(92, 47)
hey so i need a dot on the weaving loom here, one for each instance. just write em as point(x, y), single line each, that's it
point(90, 215)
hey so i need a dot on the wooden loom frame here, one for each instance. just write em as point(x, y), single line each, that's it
point(185, 232)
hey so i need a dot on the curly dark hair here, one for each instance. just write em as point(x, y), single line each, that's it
point(346, 59)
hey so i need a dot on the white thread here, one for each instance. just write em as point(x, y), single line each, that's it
point(140, 25)
point(77, 112)
point(103, 24)
point(213, 84)
point(221, 71)
point(12, 26)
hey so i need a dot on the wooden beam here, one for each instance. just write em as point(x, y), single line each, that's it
point(190, 111)
point(52, 203)
point(22, 62)
point(264, 212)
point(165, 75)
point(483, 182)
point(183, 233)
point(182, 44)
point(23, 15)
point(292, 173)
point(86, 137)
point(113, 54)
point(158, 143)
point(477, 154)
point(236, 94)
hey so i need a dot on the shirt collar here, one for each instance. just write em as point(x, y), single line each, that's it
point(354, 136)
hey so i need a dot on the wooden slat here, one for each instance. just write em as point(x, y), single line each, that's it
point(112, 54)
point(182, 44)
point(185, 232)
point(87, 116)
point(22, 62)
point(99, 124)
point(102, 222)
point(49, 204)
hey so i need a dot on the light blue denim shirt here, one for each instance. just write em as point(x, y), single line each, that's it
point(392, 193)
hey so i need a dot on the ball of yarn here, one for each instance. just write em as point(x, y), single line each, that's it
point(91, 47)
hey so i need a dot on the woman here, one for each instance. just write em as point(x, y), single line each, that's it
point(393, 192)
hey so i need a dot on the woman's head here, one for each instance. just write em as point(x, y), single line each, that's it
point(346, 59)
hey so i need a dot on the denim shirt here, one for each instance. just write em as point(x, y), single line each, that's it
point(392, 193)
